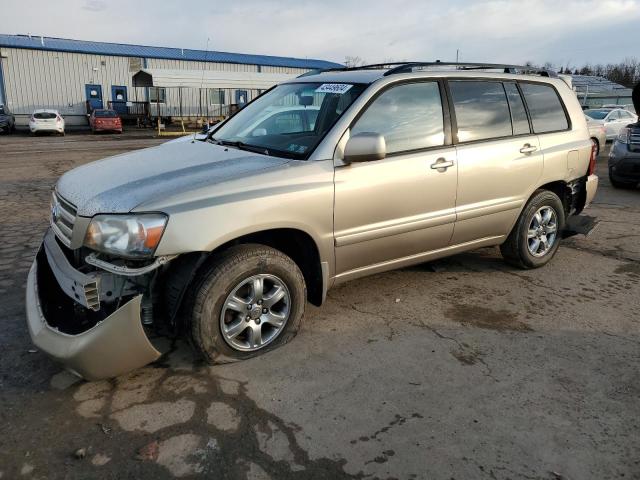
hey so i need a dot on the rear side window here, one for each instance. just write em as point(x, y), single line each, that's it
point(409, 117)
point(545, 108)
point(481, 109)
point(519, 119)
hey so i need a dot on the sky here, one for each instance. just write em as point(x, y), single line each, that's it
point(557, 31)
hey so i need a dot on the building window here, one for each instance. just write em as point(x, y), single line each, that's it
point(157, 95)
point(217, 96)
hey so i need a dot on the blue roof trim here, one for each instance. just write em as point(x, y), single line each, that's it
point(124, 50)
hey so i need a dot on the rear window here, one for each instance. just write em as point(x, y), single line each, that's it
point(597, 114)
point(545, 108)
point(44, 115)
point(106, 113)
point(482, 110)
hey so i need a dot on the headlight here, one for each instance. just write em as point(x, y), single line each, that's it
point(132, 236)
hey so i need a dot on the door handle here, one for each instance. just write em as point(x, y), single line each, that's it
point(527, 148)
point(442, 164)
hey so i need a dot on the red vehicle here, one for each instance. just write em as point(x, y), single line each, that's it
point(105, 120)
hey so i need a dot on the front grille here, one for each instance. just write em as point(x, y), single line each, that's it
point(634, 137)
point(63, 216)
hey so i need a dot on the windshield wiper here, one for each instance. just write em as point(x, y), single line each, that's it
point(255, 148)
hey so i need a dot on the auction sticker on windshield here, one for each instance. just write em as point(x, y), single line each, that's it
point(338, 88)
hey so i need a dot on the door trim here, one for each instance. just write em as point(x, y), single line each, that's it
point(417, 258)
point(397, 227)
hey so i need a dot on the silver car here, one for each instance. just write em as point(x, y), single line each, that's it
point(613, 120)
point(227, 238)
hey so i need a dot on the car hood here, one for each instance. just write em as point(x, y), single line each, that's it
point(119, 184)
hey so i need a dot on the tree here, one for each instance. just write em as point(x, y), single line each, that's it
point(353, 61)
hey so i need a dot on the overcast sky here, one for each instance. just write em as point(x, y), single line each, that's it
point(562, 32)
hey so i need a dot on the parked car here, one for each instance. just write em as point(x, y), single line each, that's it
point(103, 120)
point(7, 120)
point(624, 158)
point(613, 119)
point(46, 120)
point(597, 132)
point(230, 236)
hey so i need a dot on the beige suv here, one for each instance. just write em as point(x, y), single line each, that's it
point(326, 178)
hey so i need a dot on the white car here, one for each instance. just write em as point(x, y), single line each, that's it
point(46, 120)
point(613, 120)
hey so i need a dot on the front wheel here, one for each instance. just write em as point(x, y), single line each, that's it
point(249, 300)
point(535, 238)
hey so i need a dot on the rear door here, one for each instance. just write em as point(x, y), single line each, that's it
point(387, 212)
point(499, 158)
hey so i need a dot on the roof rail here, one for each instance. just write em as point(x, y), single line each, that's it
point(406, 67)
point(507, 68)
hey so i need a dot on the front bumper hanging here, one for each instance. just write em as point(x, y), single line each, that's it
point(114, 345)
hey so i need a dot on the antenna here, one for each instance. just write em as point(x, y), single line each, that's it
point(204, 63)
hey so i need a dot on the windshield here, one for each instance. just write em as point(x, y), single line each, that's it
point(597, 114)
point(290, 120)
point(106, 113)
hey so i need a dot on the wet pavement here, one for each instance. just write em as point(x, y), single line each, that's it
point(465, 369)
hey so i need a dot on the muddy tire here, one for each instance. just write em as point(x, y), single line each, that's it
point(536, 235)
point(247, 301)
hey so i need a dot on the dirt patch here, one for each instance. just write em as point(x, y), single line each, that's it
point(481, 317)
point(631, 268)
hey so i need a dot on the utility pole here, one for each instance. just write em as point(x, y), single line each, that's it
point(457, 55)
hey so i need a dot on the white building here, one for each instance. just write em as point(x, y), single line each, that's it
point(74, 76)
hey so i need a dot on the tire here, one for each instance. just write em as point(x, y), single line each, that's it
point(516, 250)
point(619, 184)
point(214, 286)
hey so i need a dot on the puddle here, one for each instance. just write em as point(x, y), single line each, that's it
point(481, 317)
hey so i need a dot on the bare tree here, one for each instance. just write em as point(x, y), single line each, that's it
point(353, 61)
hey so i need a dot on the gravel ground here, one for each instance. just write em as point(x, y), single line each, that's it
point(464, 369)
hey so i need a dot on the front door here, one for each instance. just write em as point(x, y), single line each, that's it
point(119, 98)
point(94, 96)
point(388, 212)
point(241, 98)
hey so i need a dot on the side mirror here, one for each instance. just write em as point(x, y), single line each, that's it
point(365, 147)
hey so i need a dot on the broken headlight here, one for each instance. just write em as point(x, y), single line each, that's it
point(130, 236)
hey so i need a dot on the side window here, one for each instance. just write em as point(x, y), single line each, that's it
point(409, 117)
point(482, 110)
point(615, 115)
point(545, 108)
point(519, 119)
point(157, 95)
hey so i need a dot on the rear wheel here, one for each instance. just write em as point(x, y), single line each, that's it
point(535, 238)
point(249, 300)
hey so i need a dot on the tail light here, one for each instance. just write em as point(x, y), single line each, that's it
point(58, 118)
point(32, 119)
point(624, 135)
point(592, 160)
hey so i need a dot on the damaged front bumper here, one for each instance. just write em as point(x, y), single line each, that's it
point(111, 346)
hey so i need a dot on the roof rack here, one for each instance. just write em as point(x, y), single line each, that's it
point(406, 67)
